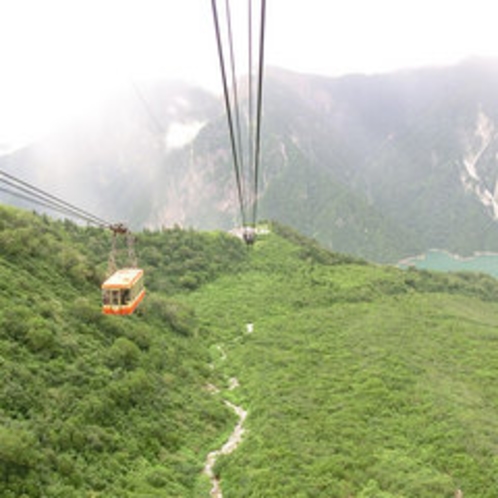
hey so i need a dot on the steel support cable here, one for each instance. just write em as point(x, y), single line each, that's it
point(153, 118)
point(228, 109)
point(54, 201)
point(35, 197)
point(39, 202)
point(236, 105)
point(250, 110)
point(257, 152)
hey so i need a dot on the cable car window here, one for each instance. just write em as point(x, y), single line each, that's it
point(105, 297)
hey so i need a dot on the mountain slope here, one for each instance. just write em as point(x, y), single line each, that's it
point(98, 405)
point(379, 166)
point(417, 146)
point(358, 379)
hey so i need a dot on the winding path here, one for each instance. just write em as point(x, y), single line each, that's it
point(231, 444)
point(235, 437)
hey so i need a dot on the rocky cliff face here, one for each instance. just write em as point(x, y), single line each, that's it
point(480, 172)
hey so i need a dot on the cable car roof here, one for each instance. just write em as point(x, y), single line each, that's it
point(124, 278)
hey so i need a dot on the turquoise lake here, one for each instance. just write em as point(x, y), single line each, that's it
point(444, 261)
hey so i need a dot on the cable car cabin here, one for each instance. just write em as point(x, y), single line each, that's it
point(249, 235)
point(123, 291)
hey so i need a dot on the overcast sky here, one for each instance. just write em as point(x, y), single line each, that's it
point(58, 56)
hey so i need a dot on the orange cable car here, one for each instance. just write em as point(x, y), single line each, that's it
point(123, 291)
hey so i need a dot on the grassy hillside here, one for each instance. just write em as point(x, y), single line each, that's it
point(92, 405)
point(359, 380)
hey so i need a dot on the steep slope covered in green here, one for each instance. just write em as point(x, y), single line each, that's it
point(359, 380)
point(92, 405)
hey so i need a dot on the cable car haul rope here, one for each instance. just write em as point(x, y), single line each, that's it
point(123, 290)
point(246, 159)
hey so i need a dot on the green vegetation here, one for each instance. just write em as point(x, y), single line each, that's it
point(359, 380)
point(92, 405)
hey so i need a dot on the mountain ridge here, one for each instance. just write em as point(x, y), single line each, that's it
point(382, 166)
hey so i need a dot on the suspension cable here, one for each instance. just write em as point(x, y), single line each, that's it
point(228, 111)
point(152, 116)
point(25, 191)
point(253, 132)
point(39, 202)
point(259, 108)
point(235, 92)
point(54, 201)
point(250, 110)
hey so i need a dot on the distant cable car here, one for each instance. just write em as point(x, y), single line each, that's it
point(249, 235)
point(123, 291)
